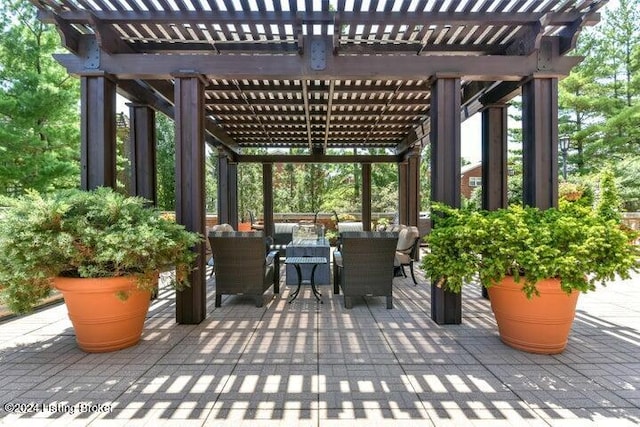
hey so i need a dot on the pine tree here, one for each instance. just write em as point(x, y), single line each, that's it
point(39, 121)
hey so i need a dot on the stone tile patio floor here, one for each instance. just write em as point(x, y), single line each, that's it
point(310, 364)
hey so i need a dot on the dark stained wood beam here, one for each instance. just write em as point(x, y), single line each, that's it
point(494, 160)
point(446, 307)
point(191, 303)
point(347, 47)
point(366, 196)
point(314, 17)
point(165, 88)
point(475, 98)
point(322, 158)
point(403, 189)
point(337, 113)
point(267, 198)
point(413, 47)
point(569, 35)
point(494, 157)
point(142, 155)
point(329, 114)
point(528, 39)
point(307, 115)
point(156, 96)
point(139, 92)
point(540, 142)
point(205, 46)
point(223, 196)
point(214, 104)
point(69, 36)
point(413, 187)
point(108, 38)
point(265, 87)
point(490, 67)
point(351, 126)
point(97, 132)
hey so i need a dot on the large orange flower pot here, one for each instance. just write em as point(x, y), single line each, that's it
point(537, 325)
point(102, 321)
point(244, 226)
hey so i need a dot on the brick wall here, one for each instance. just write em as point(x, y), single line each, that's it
point(465, 189)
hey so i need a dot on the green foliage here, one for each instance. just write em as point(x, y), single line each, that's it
point(609, 201)
point(331, 236)
point(598, 101)
point(166, 163)
point(627, 174)
point(571, 243)
point(570, 191)
point(211, 181)
point(249, 190)
point(86, 234)
point(327, 187)
point(39, 124)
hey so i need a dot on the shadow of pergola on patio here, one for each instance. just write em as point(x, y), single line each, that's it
point(319, 364)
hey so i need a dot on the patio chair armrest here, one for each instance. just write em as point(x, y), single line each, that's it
point(271, 256)
point(411, 248)
point(337, 258)
point(405, 250)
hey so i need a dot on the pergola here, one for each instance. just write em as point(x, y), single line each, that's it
point(320, 75)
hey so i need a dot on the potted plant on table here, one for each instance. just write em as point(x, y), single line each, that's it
point(533, 262)
point(103, 251)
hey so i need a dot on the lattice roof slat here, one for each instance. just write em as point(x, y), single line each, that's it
point(360, 107)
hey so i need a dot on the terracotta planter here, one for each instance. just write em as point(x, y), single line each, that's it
point(102, 321)
point(244, 226)
point(538, 325)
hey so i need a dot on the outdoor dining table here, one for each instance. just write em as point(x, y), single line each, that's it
point(313, 262)
point(309, 248)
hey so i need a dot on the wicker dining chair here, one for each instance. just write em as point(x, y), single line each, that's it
point(241, 266)
point(364, 265)
point(407, 250)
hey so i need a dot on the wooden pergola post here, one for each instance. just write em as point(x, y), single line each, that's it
point(540, 142)
point(494, 160)
point(227, 190)
point(142, 155)
point(98, 131)
point(409, 188)
point(494, 157)
point(223, 187)
point(267, 198)
point(191, 303)
point(366, 196)
point(446, 307)
point(403, 189)
point(322, 90)
point(232, 194)
point(413, 187)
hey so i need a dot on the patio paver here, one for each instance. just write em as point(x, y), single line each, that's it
point(310, 364)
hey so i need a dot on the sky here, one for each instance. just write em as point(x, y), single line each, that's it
point(470, 137)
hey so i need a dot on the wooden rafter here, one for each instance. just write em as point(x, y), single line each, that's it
point(293, 67)
point(373, 86)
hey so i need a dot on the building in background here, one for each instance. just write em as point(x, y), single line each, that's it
point(470, 178)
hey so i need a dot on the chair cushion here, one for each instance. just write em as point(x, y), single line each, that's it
point(349, 226)
point(402, 258)
point(395, 228)
point(404, 239)
point(222, 227)
point(283, 227)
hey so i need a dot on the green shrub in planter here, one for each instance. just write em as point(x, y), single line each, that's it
point(572, 243)
point(77, 233)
